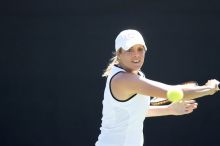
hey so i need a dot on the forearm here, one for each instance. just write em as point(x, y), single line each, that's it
point(157, 89)
point(196, 92)
point(155, 111)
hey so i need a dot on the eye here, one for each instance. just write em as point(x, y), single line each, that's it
point(141, 49)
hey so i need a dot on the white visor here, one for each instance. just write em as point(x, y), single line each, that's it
point(128, 38)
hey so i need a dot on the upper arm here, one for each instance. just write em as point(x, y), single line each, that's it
point(129, 84)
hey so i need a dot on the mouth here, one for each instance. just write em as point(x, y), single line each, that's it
point(136, 61)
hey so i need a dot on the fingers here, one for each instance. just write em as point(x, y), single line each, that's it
point(195, 106)
point(184, 107)
point(213, 83)
point(189, 101)
point(191, 105)
point(216, 82)
point(217, 85)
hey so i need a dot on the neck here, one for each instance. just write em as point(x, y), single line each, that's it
point(128, 70)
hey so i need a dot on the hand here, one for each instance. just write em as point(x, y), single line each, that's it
point(214, 85)
point(183, 107)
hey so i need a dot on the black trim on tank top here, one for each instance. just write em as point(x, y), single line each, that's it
point(111, 89)
point(118, 66)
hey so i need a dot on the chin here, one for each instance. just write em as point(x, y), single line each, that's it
point(136, 68)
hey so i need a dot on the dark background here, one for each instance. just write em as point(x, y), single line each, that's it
point(53, 54)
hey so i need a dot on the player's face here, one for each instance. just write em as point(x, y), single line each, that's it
point(132, 59)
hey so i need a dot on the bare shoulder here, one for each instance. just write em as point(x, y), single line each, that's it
point(127, 84)
point(124, 78)
point(122, 85)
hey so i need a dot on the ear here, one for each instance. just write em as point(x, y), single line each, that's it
point(119, 51)
point(118, 54)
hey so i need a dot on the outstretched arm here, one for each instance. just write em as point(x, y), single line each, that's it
point(176, 108)
point(126, 84)
point(193, 92)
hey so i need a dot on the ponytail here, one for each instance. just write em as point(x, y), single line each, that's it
point(112, 62)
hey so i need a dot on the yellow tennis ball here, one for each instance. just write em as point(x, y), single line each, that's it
point(175, 95)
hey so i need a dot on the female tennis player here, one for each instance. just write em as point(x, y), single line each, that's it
point(127, 94)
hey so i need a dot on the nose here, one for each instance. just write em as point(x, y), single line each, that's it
point(135, 54)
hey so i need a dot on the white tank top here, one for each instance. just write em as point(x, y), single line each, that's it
point(122, 121)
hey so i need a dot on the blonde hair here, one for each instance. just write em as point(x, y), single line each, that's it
point(112, 62)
